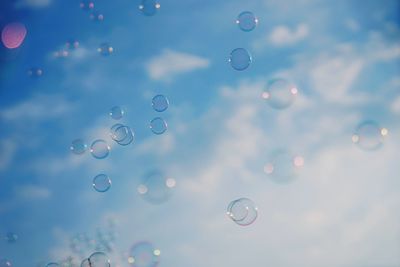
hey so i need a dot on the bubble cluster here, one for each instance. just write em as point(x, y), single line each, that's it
point(158, 125)
point(35, 72)
point(240, 59)
point(149, 7)
point(116, 113)
point(242, 211)
point(11, 237)
point(101, 183)
point(5, 263)
point(105, 49)
point(160, 103)
point(156, 187)
point(144, 254)
point(369, 135)
point(283, 166)
point(280, 93)
point(78, 146)
point(100, 149)
point(247, 21)
point(122, 134)
point(13, 35)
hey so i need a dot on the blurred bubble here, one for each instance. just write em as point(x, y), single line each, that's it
point(105, 49)
point(52, 264)
point(99, 259)
point(13, 34)
point(369, 135)
point(100, 149)
point(78, 146)
point(247, 21)
point(160, 103)
point(144, 254)
point(85, 263)
point(156, 187)
point(5, 263)
point(96, 16)
point(86, 5)
point(242, 211)
point(61, 53)
point(35, 72)
point(283, 166)
point(149, 7)
point(101, 183)
point(280, 93)
point(158, 125)
point(122, 134)
point(240, 59)
point(116, 113)
point(72, 44)
point(11, 237)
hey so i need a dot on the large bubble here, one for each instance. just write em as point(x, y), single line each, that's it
point(240, 59)
point(144, 254)
point(100, 149)
point(369, 135)
point(156, 187)
point(242, 211)
point(283, 166)
point(280, 93)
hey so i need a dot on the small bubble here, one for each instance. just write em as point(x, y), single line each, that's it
point(116, 113)
point(160, 103)
point(369, 135)
point(105, 49)
point(101, 183)
point(86, 5)
point(143, 254)
point(35, 72)
point(247, 21)
point(242, 211)
point(149, 7)
point(158, 125)
point(240, 59)
point(100, 149)
point(78, 146)
point(280, 93)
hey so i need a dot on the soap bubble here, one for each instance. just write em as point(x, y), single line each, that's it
point(13, 35)
point(11, 237)
point(247, 21)
point(52, 264)
point(242, 211)
point(35, 72)
point(283, 166)
point(105, 49)
point(5, 263)
point(143, 254)
point(149, 7)
point(86, 5)
point(158, 125)
point(86, 263)
point(101, 183)
point(160, 103)
point(116, 113)
point(96, 16)
point(122, 134)
point(78, 146)
point(100, 149)
point(72, 44)
point(99, 259)
point(240, 59)
point(280, 93)
point(369, 135)
point(156, 187)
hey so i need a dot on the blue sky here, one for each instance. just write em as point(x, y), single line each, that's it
point(342, 209)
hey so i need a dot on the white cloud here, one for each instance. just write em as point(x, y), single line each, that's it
point(171, 63)
point(283, 35)
point(395, 106)
point(32, 3)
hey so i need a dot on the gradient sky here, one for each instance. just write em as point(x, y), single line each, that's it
point(341, 211)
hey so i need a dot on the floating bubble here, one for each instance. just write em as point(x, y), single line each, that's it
point(149, 7)
point(122, 134)
point(100, 149)
point(96, 16)
point(85, 263)
point(35, 72)
point(86, 5)
point(72, 44)
point(61, 53)
point(247, 21)
point(283, 166)
point(78, 146)
point(116, 113)
point(105, 49)
point(5, 263)
point(101, 183)
point(156, 187)
point(280, 93)
point(240, 59)
point(144, 254)
point(11, 237)
point(158, 125)
point(13, 34)
point(160, 103)
point(369, 135)
point(242, 211)
point(99, 259)
point(52, 264)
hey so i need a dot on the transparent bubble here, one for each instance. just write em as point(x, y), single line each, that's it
point(149, 7)
point(242, 211)
point(5, 263)
point(99, 259)
point(144, 254)
point(100, 149)
point(240, 59)
point(156, 187)
point(369, 135)
point(11, 237)
point(85, 263)
point(280, 93)
point(116, 113)
point(61, 53)
point(283, 166)
point(78, 146)
point(35, 72)
point(72, 44)
point(101, 183)
point(52, 264)
point(105, 49)
point(122, 134)
point(86, 5)
point(160, 103)
point(96, 16)
point(13, 35)
point(158, 125)
point(247, 21)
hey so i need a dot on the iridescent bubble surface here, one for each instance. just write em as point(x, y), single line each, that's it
point(369, 135)
point(156, 187)
point(242, 211)
point(13, 35)
point(240, 59)
point(247, 21)
point(78, 146)
point(144, 254)
point(158, 125)
point(280, 93)
point(149, 7)
point(100, 149)
point(160, 103)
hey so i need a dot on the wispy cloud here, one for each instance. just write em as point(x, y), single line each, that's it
point(283, 35)
point(32, 3)
point(31, 192)
point(170, 64)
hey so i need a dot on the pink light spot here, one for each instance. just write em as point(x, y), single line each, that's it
point(13, 34)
